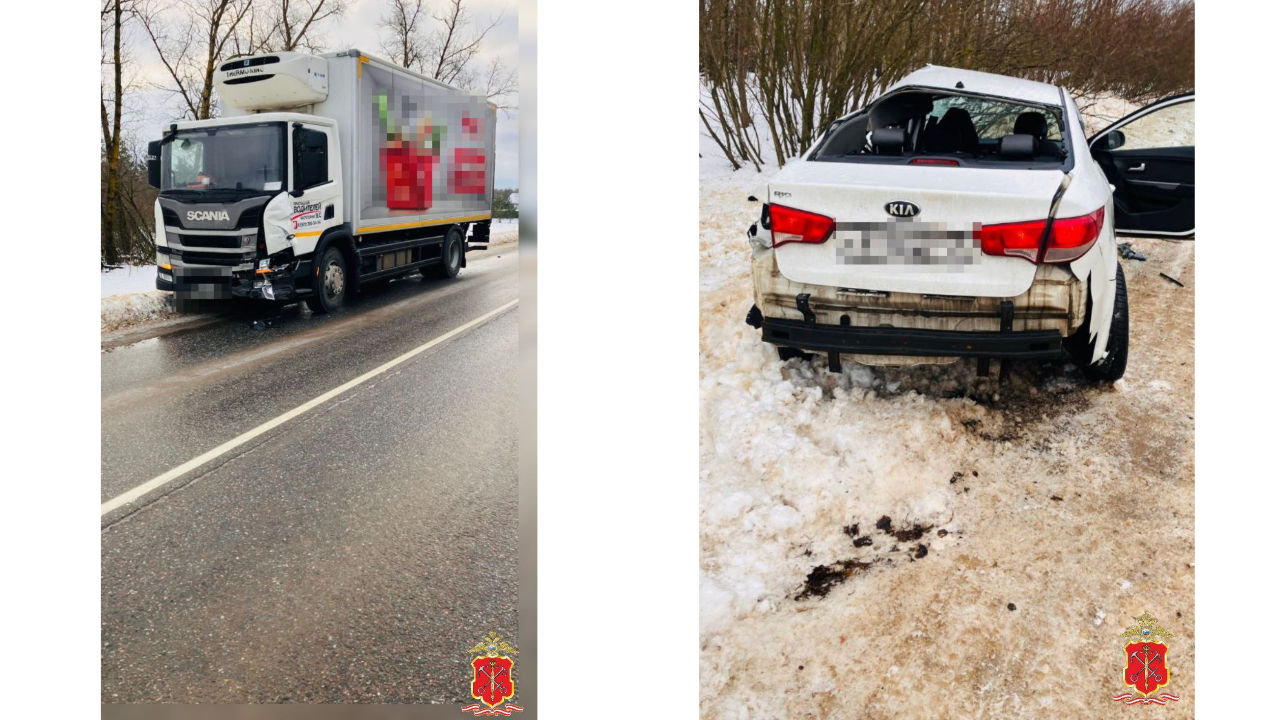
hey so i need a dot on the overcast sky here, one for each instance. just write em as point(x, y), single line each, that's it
point(148, 109)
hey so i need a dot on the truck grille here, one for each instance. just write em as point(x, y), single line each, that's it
point(190, 257)
point(231, 242)
point(250, 218)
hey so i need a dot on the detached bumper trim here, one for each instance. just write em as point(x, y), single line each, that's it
point(906, 341)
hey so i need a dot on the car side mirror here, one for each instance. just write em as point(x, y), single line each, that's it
point(153, 163)
point(1113, 140)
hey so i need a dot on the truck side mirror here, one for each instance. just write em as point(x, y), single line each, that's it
point(1113, 140)
point(153, 163)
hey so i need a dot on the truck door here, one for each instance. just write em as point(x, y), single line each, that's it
point(315, 183)
point(1149, 156)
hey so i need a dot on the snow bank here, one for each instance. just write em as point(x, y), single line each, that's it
point(790, 452)
point(506, 230)
point(120, 311)
point(129, 297)
point(128, 279)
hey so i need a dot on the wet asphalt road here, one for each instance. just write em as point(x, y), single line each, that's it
point(352, 554)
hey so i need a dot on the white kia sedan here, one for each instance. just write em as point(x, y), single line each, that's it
point(965, 214)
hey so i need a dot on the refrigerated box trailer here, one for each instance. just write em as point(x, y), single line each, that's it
point(323, 173)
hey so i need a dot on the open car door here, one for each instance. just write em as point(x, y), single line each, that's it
point(1149, 156)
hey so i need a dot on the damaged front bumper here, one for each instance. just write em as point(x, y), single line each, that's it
point(894, 328)
point(282, 279)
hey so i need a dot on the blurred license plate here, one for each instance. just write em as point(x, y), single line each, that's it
point(906, 243)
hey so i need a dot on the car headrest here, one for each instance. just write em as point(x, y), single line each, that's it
point(1018, 146)
point(892, 139)
point(1031, 123)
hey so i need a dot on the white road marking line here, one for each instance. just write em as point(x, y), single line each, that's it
point(226, 447)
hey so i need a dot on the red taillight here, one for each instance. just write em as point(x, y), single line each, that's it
point(1020, 239)
point(791, 225)
point(1069, 239)
point(933, 161)
point(1072, 237)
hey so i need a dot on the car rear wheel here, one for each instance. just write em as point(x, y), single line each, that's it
point(1110, 368)
point(330, 283)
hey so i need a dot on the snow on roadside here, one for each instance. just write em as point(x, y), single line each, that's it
point(788, 448)
point(128, 279)
point(120, 311)
point(129, 297)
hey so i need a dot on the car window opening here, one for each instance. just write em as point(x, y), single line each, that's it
point(912, 127)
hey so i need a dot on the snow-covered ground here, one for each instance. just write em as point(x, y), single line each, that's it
point(920, 542)
point(128, 279)
point(130, 298)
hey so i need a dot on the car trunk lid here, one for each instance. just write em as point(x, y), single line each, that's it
point(934, 253)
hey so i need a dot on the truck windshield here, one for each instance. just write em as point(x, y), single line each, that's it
point(242, 157)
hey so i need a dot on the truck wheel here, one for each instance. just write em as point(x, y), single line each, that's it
point(1111, 368)
point(330, 284)
point(450, 256)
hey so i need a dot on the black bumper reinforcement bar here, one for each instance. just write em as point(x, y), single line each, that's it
point(833, 339)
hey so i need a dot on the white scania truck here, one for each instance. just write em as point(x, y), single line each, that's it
point(323, 173)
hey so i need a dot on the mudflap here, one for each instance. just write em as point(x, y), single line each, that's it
point(477, 240)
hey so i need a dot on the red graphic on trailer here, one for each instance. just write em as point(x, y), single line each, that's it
point(409, 155)
point(467, 175)
point(471, 126)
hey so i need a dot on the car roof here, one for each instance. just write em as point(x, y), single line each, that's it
point(981, 83)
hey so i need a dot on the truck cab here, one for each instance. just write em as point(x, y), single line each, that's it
point(318, 178)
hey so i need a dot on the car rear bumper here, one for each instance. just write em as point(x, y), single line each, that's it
point(909, 342)
point(1055, 301)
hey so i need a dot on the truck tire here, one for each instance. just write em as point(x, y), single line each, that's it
point(450, 256)
point(1110, 368)
point(330, 283)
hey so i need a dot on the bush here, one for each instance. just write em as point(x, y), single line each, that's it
point(802, 63)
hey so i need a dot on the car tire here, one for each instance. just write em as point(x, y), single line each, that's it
point(450, 257)
point(330, 283)
point(1111, 368)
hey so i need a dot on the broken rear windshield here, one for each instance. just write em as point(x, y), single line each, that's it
point(928, 127)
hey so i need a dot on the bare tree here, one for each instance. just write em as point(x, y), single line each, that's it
point(402, 38)
point(498, 83)
point(797, 65)
point(192, 37)
point(451, 48)
point(112, 21)
point(286, 25)
point(128, 227)
point(448, 52)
